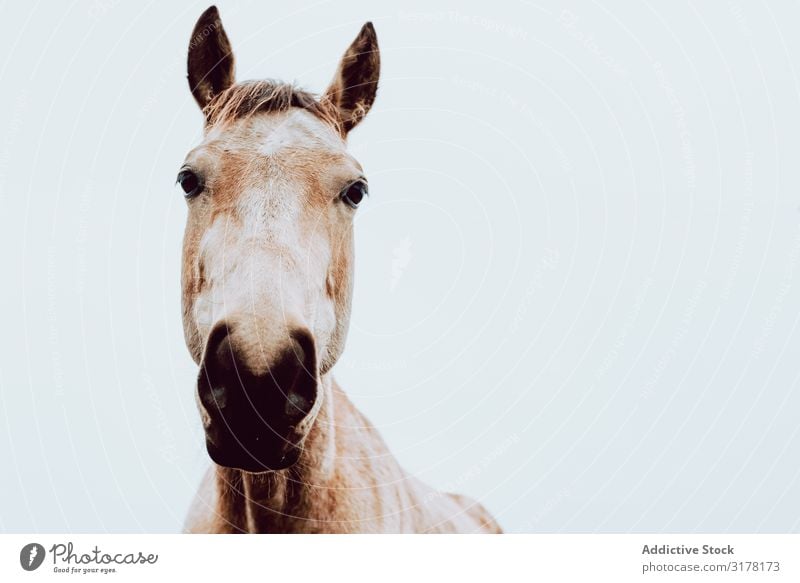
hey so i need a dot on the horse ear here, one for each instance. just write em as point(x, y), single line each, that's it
point(210, 64)
point(355, 84)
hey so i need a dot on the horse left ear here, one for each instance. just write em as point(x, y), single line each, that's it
point(355, 84)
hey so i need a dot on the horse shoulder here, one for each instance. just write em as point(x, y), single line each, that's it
point(481, 520)
point(449, 513)
point(385, 497)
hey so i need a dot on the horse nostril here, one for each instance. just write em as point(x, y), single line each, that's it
point(219, 371)
point(301, 394)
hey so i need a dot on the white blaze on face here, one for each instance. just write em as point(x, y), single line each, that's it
point(298, 129)
point(266, 255)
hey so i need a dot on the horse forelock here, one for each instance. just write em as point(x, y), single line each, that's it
point(248, 98)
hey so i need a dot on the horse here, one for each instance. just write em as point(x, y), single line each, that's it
point(267, 279)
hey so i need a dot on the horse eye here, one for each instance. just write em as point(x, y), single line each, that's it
point(354, 194)
point(190, 183)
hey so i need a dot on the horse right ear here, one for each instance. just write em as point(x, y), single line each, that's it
point(210, 66)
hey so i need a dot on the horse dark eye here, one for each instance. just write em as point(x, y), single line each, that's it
point(354, 194)
point(190, 183)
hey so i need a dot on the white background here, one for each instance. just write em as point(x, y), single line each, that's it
point(576, 283)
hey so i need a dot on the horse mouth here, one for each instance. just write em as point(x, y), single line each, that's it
point(253, 442)
point(254, 455)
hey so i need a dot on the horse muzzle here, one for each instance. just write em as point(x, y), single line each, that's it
point(256, 406)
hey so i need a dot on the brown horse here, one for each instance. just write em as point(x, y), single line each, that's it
point(267, 282)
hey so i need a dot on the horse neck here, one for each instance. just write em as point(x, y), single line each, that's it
point(285, 500)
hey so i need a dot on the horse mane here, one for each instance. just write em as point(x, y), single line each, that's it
point(243, 100)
